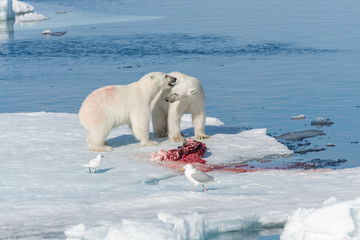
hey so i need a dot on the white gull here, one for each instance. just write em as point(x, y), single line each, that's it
point(197, 177)
point(94, 163)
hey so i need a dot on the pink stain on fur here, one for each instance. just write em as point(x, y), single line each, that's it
point(109, 90)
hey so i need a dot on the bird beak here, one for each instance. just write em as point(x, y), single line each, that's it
point(182, 168)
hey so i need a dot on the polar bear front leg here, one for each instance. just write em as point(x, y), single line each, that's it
point(140, 128)
point(199, 126)
point(174, 119)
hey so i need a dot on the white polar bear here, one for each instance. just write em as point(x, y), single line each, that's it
point(111, 106)
point(171, 104)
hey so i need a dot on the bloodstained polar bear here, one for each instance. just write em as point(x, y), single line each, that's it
point(111, 106)
point(171, 104)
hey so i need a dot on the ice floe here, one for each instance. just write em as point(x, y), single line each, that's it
point(46, 192)
point(334, 221)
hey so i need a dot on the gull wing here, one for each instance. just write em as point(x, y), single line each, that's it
point(94, 163)
point(201, 177)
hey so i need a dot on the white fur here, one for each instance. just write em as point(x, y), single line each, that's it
point(111, 106)
point(186, 97)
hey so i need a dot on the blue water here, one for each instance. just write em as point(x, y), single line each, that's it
point(260, 62)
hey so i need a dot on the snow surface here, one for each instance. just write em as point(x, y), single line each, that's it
point(46, 193)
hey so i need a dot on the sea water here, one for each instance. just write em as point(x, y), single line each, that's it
point(260, 62)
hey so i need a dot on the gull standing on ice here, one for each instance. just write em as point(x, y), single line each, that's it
point(197, 177)
point(94, 163)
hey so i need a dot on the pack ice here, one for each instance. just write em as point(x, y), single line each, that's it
point(46, 193)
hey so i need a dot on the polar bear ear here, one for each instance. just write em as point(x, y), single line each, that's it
point(192, 91)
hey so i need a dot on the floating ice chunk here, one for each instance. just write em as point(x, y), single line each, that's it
point(334, 221)
point(320, 121)
point(20, 7)
point(298, 117)
point(6, 10)
point(213, 121)
point(210, 121)
point(31, 17)
point(298, 136)
point(50, 33)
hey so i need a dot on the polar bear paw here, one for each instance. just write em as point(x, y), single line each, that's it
point(202, 137)
point(102, 148)
point(160, 134)
point(177, 138)
point(150, 143)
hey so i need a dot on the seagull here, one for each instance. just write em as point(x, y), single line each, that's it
point(94, 163)
point(197, 177)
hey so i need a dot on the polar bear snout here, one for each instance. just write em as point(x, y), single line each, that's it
point(168, 100)
point(171, 98)
point(172, 81)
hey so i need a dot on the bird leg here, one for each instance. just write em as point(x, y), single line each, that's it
point(89, 170)
point(204, 188)
point(194, 188)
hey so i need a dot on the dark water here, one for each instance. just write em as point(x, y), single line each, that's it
point(260, 62)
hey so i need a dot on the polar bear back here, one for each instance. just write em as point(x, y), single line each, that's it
point(107, 103)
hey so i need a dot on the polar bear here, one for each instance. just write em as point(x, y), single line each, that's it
point(171, 104)
point(111, 106)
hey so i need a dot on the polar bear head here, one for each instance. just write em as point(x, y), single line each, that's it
point(186, 86)
point(159, 80)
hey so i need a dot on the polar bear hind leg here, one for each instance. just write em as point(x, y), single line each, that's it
point(96, 140)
